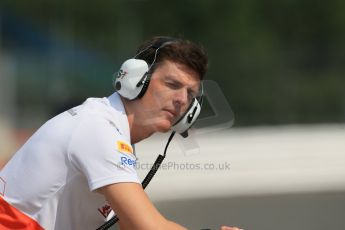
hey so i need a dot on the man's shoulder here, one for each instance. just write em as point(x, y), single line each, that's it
point(97, 114)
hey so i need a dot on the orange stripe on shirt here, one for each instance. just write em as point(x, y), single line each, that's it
point(12, 218)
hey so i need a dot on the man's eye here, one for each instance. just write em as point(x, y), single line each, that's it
point(172, 85)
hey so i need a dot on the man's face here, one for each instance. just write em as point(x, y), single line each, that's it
point(171, 90)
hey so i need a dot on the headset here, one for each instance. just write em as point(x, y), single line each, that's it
point(133, 78)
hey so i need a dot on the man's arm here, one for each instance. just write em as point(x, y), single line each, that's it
point(134, 209)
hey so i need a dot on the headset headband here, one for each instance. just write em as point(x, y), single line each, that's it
point(163, 41)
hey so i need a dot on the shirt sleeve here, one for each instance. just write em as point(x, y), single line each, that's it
point(102, 153)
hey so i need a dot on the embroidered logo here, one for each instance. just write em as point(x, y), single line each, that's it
point(105, 210)
point(124, 147)
point(128, 161)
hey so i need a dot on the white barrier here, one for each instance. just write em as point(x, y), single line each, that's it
point(281, 177)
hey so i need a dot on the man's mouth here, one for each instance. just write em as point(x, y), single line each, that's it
point(171, 113)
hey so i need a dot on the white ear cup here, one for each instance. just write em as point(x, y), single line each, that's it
point(130, 78)
point(187, 120)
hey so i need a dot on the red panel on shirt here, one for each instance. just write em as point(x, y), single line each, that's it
point(11, 218)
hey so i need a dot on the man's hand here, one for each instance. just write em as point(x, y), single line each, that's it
point(230, 228)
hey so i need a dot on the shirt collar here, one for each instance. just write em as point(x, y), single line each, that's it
point(116, 103)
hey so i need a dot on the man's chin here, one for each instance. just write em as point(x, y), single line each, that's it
point(164, 127)
point(163, 130)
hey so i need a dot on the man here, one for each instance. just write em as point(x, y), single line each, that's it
point(81, 161)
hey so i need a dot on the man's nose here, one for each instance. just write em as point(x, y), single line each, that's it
point(181, 97)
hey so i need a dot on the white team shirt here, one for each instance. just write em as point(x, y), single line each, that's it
point(53, 177)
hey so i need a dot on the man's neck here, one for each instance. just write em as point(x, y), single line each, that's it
point(137, 130)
